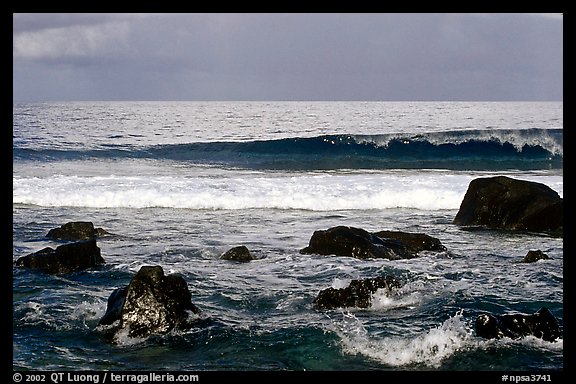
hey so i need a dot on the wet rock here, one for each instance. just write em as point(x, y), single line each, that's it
point(66, 258)
point(76, 230)
point(240, 253)
point(153, 303)
point(533, 256)
point(361, 244)
point(541, 324)
point(414, 242)
point(505, 203)
point(358, 293)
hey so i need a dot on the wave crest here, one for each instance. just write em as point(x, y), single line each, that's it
point(491, 149)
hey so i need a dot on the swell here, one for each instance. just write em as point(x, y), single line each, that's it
point(490, 149)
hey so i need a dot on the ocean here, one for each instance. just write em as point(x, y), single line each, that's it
point(180, 183)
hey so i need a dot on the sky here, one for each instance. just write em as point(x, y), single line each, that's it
point(288, 56)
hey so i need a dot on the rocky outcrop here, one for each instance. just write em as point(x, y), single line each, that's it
point(541, 324)
point(66, 258)
point(533, 256)
point(414, 242)
point(76, 230)
point(153, 303)
point(361, 244)
point(357, 294)
point(240, 253)
point(505, 203)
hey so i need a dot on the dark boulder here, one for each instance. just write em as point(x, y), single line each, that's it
point(505, 203)
point(533, 256)
point(240, 253)
point(414, 242)
point(153, 303)
point(357, 294)
point(541, 324)
point(76, 230)
point(361, 244)
point(66, 258)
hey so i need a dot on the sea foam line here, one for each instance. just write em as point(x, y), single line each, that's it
point(307, 192)
point(317, 192)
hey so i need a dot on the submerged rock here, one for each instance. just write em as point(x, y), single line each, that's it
point(64, 259)
point(357, 294)
point(153, 303)
point(361, 244)
point(76, 230)
point(505, 203)
point(541, 324)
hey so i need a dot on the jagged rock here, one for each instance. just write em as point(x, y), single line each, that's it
point(76, 230)
point(502, 202)
point(153, 303)
point(240, 253)
point(533, 256)
point(541, 324)
point(64, 259)
point(361, 244)
point(357, 294)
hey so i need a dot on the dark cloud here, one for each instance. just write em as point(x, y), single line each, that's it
point(288, 56)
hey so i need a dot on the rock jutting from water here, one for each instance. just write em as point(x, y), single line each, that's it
point(66, 258)
point(76, 230)
point(152, 303)
point(361, 244)
point(357, 294)
point(541, 324)
point(503, 202)
point(240, 253)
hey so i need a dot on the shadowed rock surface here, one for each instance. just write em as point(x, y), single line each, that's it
point(153, 303)
point(505, 203)
point(541, 324)
point(240, 253)
point(76, 230)
point(114, 306)
point(64, 259)
point(361, 244)
point(357, 294)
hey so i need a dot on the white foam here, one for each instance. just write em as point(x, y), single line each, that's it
point(318, 192)
point(383, 299)
point(122, 337)
point(429, 348)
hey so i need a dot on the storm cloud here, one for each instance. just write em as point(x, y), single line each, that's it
point(229, 56)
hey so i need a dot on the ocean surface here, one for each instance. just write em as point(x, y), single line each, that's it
point(180, 183)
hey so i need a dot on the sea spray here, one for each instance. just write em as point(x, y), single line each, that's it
point(429, 349)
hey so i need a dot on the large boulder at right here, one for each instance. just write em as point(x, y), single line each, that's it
point(541, 324)
point(503, 202)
